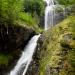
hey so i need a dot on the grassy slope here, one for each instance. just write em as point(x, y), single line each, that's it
point(58, 50)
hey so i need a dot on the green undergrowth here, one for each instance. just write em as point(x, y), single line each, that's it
point(58, 49)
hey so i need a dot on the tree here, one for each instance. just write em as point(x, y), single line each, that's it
point(9, 11)
point(34, 7)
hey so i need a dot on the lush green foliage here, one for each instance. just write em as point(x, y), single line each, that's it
point(9, 10)
point(66, 2)
point(26, 12)
point(34, 7)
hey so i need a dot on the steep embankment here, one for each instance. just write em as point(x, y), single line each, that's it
point(57, 49)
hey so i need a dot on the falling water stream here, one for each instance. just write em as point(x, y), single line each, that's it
point(26, 57)
point(51, 16)
point(49, 13)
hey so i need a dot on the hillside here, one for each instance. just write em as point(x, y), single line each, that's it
point(22, 21)
point(57, 49)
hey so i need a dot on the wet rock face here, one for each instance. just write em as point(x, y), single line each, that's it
point(14, 37)
point(59, 17)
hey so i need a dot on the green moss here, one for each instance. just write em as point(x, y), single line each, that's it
point(4, 59)
point(58, 48)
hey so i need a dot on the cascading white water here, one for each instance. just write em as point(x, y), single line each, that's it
point(49, 14)
point(52, 15)
point(26, 56)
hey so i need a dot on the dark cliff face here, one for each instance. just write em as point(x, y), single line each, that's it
point(14, 37)
point(12, 41)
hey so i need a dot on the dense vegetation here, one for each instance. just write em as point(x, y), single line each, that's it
point(34, 7)
point(66, 2)
point(21, 11)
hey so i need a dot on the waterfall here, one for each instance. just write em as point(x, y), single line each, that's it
point(51, 16)
point(26, 57)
